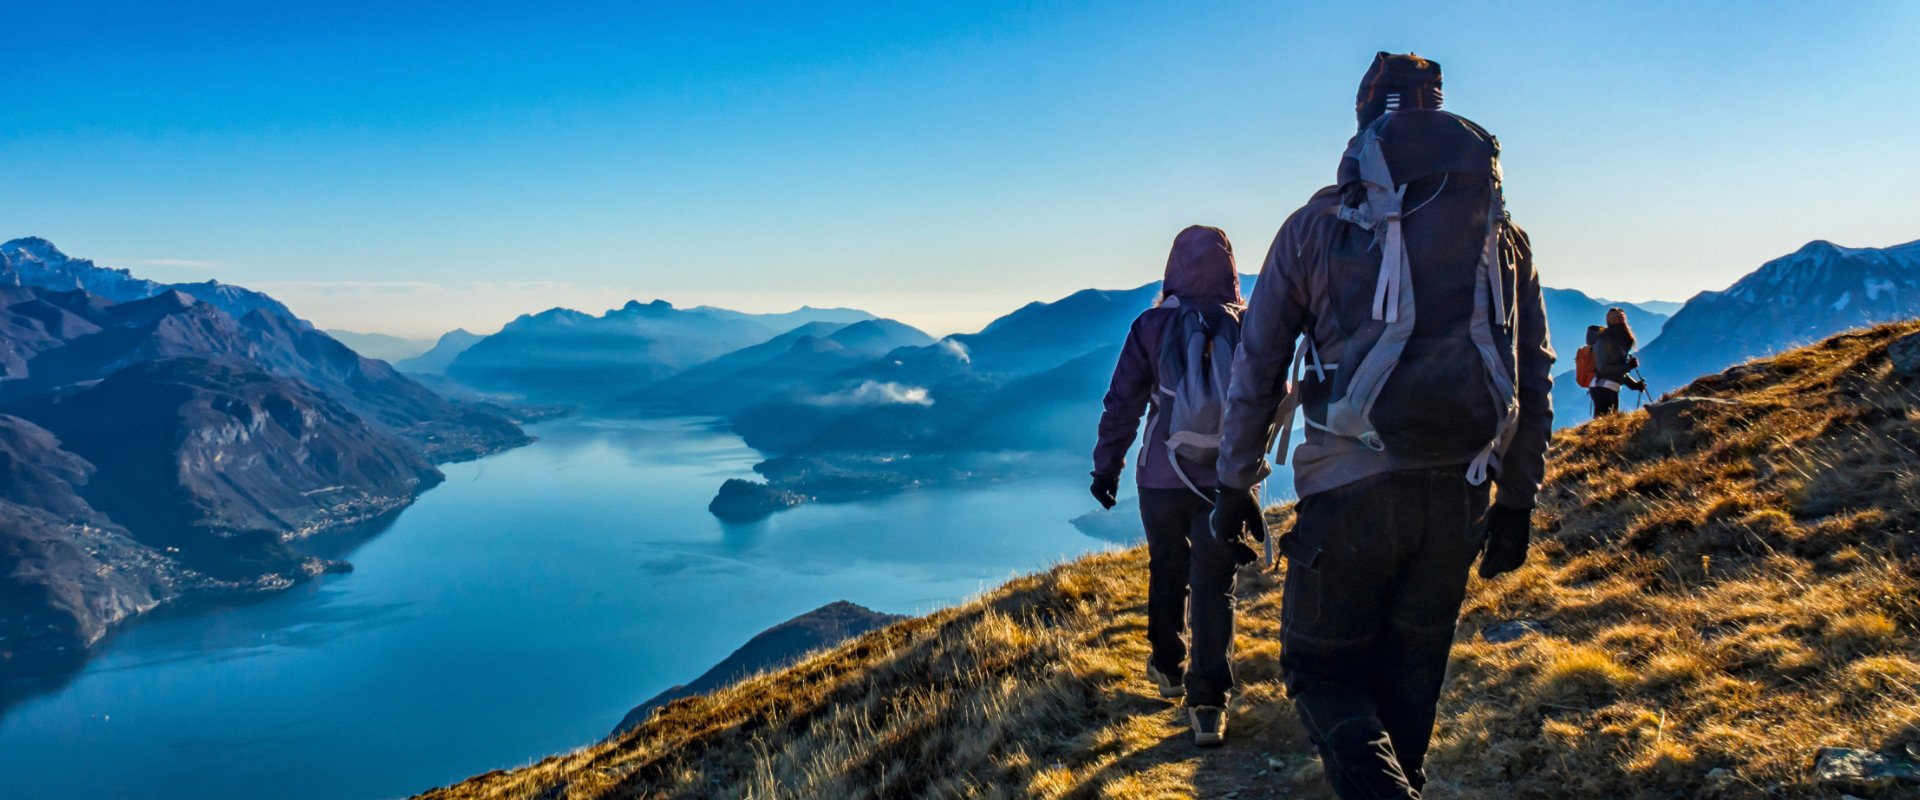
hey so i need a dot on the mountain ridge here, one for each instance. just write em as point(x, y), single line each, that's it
point(158, 448)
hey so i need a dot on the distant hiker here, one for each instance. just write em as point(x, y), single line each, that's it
point(1177, 359)
point(1424, 371)
point(1613, 362)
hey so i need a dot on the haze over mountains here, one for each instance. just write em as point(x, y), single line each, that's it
point(391, 349)
point(434, 360)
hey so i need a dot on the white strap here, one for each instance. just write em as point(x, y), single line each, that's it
point(1174, 458)
point(1606, 384)
point(1477, 471)
point(1283, 416)
point(1393, 259)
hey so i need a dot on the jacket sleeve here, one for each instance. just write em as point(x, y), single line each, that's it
point(1127, 395)
point(1524, 465)
point(1273, 320)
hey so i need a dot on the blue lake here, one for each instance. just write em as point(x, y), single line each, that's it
point(515, 611)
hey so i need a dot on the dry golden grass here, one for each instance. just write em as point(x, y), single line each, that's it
point(1729, 591)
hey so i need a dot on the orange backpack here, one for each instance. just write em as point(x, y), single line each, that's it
point(1583, 369)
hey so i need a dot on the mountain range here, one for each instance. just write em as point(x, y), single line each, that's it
point(566, 355)
point(173, 441)
point(1796, 299)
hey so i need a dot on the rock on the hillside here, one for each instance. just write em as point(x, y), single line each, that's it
point(1862, 767)
point(1673, 421)
point(1511, 630)
point(1905, 354)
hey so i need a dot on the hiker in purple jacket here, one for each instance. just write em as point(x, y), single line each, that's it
point(1182, 552)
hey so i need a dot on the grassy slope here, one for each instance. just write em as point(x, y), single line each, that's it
point(1733, 589)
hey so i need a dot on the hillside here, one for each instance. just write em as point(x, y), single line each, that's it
point(1726, 586)
point(773, 648)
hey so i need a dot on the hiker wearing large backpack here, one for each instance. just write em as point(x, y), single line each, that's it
point(1424, 373)
point(1176, 361)
point(1610, 350)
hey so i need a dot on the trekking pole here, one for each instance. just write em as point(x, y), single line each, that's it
point(1646, 390)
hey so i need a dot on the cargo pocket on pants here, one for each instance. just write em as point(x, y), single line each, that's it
point(1301, 598)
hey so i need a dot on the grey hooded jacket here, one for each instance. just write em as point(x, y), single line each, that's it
point(1291, 299)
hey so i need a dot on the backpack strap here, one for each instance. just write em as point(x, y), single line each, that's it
point(1173, 458)
point(1393, 304)
point(1493, 331)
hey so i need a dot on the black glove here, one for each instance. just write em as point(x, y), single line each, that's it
point(1635, 384)
point(1633, 362)
point(1106, 489)
point(1508, 530)
point(1236, 516)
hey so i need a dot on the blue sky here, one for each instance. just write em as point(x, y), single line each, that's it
point(410, 167)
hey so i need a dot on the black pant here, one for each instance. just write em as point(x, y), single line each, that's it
point(1605, 401)
point(1376, 571)
point(1182, 553)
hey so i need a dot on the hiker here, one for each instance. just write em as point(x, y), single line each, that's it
point(1176, 357)
point(1424, 372)
point(1613, 363)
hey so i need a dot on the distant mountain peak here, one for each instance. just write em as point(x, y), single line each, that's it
point(34, 245)
point(634, 306)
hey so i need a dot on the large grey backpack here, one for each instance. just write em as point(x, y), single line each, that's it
point(1196, 365)
point(1423, 294)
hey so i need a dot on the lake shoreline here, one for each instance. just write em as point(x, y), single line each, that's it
point(518, 609)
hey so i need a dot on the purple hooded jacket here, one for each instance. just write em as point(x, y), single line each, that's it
point(1200, 270)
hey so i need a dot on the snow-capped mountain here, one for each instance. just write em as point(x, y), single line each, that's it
point(36, 262)
point(33, 261)
point(1818, 290)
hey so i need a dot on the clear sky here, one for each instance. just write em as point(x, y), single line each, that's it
point(410, 167)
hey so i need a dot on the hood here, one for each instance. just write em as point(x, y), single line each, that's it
point(1622, 332)
point(1201, 267)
